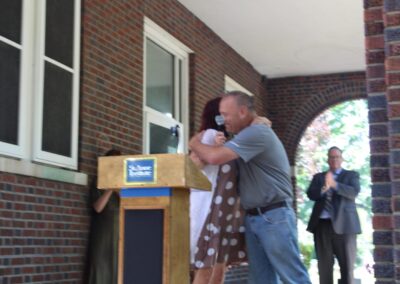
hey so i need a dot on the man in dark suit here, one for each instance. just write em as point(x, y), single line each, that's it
point(334, 220)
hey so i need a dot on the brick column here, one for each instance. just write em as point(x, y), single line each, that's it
point(379, 142)
point(391, 17)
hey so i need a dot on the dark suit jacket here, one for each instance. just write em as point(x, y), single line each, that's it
point(344, 214)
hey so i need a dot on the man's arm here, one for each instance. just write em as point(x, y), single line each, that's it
point(351, 187)
point(214, 155)
point(315, 187)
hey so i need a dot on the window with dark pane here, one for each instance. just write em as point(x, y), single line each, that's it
point(159, 79)
point(57, 111)
point(9, 93)
point(60, 30)
point(162, 140)
point(180, 79)
point(10, 19)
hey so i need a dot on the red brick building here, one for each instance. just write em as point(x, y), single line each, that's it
point(77, 77)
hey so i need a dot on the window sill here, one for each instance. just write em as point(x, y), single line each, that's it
point(27, 168)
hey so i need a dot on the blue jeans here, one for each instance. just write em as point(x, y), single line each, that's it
point(273, 252)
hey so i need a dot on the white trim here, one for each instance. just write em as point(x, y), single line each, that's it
point(27, 79)
point(181, 52)
point(232, 85)
point(76, 83)
point(58, 64)
point(10, 42)
point(185, 103)
point(38, 154)
point(31, 79)
point(157, 118)
point(27, 168)
point(145, 137)
point(21, 149)
point(163, 38)
point(39, 81)
point(177, 88)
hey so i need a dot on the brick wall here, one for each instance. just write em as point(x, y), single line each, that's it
point(44, 225)
point(391, 20)
point(293, 102)
point(112, 64)
point(379, 138)
point(382, 33)
point(43, 229)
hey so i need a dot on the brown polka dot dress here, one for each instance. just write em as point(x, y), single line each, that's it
point(222, 236)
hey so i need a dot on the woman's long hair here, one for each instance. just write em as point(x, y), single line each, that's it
point(211, 109)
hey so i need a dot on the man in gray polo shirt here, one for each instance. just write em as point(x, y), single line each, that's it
point(265, 191)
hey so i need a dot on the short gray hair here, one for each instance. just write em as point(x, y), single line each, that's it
point(242, 99)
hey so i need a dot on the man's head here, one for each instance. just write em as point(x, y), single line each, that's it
point(238, 111)
point(335, 158)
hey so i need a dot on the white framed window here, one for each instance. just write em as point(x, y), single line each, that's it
point(232, 85)
point(39, 80)
point(163, 133)
point(166, 88)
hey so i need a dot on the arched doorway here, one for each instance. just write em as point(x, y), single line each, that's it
point(332, 128)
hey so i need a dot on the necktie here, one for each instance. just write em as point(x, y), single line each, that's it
point(328, 200)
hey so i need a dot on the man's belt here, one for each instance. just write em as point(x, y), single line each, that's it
point(261, 210)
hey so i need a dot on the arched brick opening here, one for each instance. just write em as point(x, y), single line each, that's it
point(293, 102)
point(313, 106)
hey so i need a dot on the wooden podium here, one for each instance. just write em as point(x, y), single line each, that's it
point(154, 214)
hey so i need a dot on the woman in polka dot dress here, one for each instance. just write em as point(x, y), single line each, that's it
point(217, 230)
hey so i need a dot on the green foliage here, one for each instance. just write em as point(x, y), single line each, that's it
point(346, 126)
point(307, 252)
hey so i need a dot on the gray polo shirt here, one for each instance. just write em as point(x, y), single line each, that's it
point(264, 167)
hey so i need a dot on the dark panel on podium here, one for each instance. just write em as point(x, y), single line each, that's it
point(143, 251)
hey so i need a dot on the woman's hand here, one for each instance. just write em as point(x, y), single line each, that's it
point(261, 120)
point(220, 138)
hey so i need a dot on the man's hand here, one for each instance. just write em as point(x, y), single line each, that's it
point(329, 180)
point(213, 155)
point(196, 160)
point(324, 189)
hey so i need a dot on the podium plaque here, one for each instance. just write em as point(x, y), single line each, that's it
point(154, 214)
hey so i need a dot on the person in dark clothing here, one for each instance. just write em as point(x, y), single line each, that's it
point(104, 231)
point(334, 220)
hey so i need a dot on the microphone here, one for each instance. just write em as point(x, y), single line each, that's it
point(219, 120)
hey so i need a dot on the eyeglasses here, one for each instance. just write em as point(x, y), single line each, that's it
point(334, 157)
